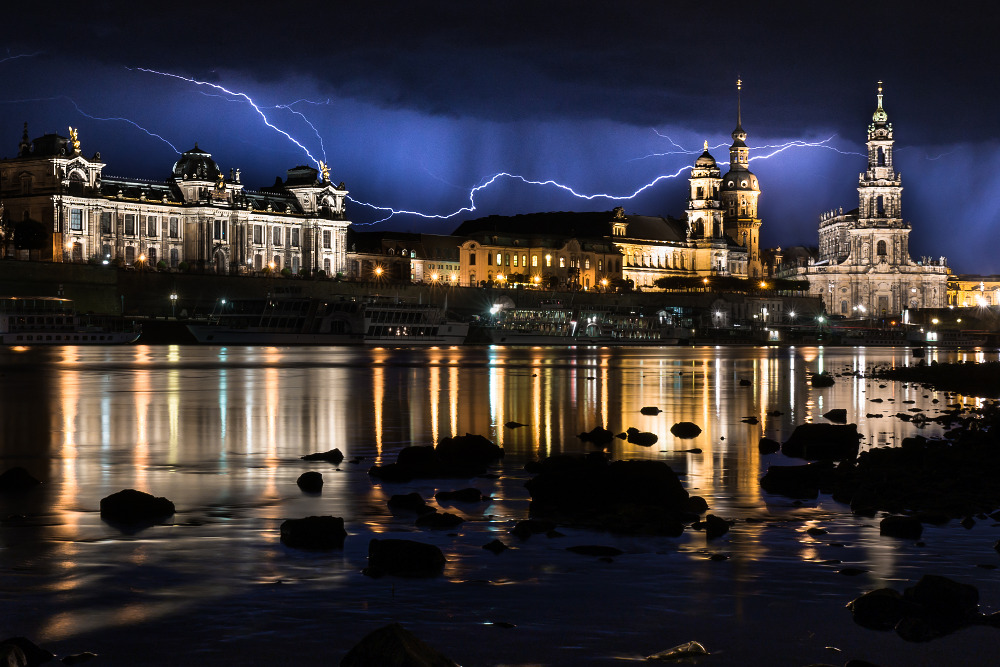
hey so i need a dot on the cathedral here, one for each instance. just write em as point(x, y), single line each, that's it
point(863, 267)
point(68, 211)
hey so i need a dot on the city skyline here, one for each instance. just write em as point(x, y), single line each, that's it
point(424, 103)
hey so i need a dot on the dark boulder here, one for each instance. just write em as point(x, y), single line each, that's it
point(439, 520)
point(768, 446)
point(495, 546)
point(469, 495)
point(822, 441)
point(404, 558)
point(319, 533)
point(685, 430)
point(22, 647)
point(713, 526)
point(17, 480)
point(821, 380)
point(880, 609)
point(131, 507)
point(310, 482)
point(650, 410)
point(597, 436)
point(528, 527)
point(906, 527)
point(394, 646)
point(409, 502)
point(802, 482)
point(838, 415)
point(513, 424)
point(461, 456)
point(334, 456)
point(12, 656)
point(641, 438)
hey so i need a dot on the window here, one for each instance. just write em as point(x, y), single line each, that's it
point(258, 235)
point(881, 248)
point(151, 225)
point(276, 235)
point(472, 259)
point(174, 258)
point(534, 260)
point(843, 307)
point(524, 260)
point(130, 225)
point(258, 262)
point(586, 263)
point(151, 255)
point(295, 264)
point(277, 262)
point(326, 265)
point(220, 230)
point(600, 265)
point(76, 219)
point(106, 251)
point(506, 259)
point(499, 259)
point(174, 228)
point(129, 254)
point(106, 222)
point(489, 259)
point(295, 238)
point(327, 239)
point(562, 262)
point(515, 260)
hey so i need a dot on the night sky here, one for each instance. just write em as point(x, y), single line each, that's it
point(414, 104)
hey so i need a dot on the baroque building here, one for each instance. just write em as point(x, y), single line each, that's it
point(198, 215)
point(863, 267)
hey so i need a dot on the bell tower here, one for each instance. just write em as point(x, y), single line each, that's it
point(740, 191)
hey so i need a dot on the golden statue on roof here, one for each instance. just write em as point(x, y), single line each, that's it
point(325, 168)
point(74, 139)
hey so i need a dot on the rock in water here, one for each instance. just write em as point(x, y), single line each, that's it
point(685, 430)
point(768, 446)
point(514, 424)
point(310, 482)
point(133, 507)
point(25, 649)
point(394, 646)
point(404, 558)
point(598, 436)
point(650, 410)
point(906, 527)
point(334, 456)
point(16, 480)
point(838, 415)
point(318, 533)
point(680, 652)
point(823, 441)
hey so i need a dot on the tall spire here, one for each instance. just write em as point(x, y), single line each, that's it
point(880, 116)
point(739, 105)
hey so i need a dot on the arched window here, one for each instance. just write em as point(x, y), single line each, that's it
point(843, 307)
point(258, 261)
point(880, 249)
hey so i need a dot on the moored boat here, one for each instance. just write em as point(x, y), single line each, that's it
point(48, 320)
point(305, 321)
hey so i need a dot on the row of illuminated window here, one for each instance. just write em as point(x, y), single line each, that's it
point(132, 222)
point(515, 260)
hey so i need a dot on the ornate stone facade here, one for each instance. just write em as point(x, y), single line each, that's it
point(198, 215)
point(863, 267)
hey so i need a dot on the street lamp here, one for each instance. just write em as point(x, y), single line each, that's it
point(142, 261)
point(173, 305)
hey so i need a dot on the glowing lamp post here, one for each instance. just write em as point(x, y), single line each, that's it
point(173, 305)
point(142, 261)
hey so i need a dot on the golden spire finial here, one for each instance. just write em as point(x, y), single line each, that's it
point(739, 84)
point(706, 145)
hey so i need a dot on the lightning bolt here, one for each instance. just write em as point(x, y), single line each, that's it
point(244, 96)
point(21, 55)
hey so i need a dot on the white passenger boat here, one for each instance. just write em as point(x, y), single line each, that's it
point(44, 320)
point(304, 321)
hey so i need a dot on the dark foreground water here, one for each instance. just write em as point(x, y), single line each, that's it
point(220, 431)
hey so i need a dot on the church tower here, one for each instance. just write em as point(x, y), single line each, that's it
point(740, 191)
point(704, 217)
point(880, 187)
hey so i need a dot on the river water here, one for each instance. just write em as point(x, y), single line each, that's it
point(220, 431)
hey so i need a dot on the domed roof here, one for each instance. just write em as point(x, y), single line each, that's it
point(740, 179)
point(196, 164)
point(706, 159)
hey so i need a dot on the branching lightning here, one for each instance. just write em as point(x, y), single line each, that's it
point(246, 97)
point(21, 55)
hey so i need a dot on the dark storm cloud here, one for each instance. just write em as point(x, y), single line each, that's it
point(806, 65)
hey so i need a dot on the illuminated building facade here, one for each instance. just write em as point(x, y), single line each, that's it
point(863, 267)
point(972, 291)
point(198, 216)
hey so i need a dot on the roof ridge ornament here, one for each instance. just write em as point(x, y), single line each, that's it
point(880, 116)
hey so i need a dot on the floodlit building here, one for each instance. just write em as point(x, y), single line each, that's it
point(863, 266)
point(62, 208)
